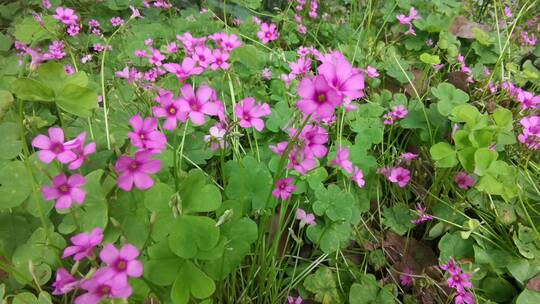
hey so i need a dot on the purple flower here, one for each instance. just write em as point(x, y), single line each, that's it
point(422, 216)
point(266, 74)
point(317, 97)
point(73, 30)
point(189, 67)
point(358, 177)
point(405, 278)
point(250, 114)
point(451, 266)
point(131, 75)
point(65, 15)
point(81, 151)
point(464, 297)
point(219, 60)
point(305, 218)
point(64, 282)
point(101, 286)
point(371, 72)
point(459, 281)
point(65, 190)
point(53, 147)
point(93, 23)
point(121, 263)
point(342, 160)
point(145, 135)
point(267, 32)
point(463, 180)
point(216, 138)
point(116, 21)
point(83, 244)
point(291, 300)
point(156, 57)
point(283, 189)
point(46, 4)
point(136, 170)
point(400, 176)
point(68, 69)
point(196, 105)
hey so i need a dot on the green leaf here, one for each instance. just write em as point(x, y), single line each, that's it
point(77, 100)
point(523, 269)
point(465, 113)
point(444, 155)
point(528, 297)
point(15, 184)
point(503, 118)
point(330, 236)
point(368, 291)
point(398, 218)
point(324, 285)
point(24, 298)
point(163, 265)
point(197, 196)
point(11, 145)
point(192, 280)
point(449, 97)
point(249, 56)
point(497, 289)
point(95, 207)
point(52, 75)
point(452, 245)
point(430, 59)
point(334, 202)
point(6, 100)
point(249, 181)
point(191, 234)
point(483, 158)
point(31, 90)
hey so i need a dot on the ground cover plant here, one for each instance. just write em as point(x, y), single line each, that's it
point(250, 151)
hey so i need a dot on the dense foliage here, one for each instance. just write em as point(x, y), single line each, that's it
point(250, 151)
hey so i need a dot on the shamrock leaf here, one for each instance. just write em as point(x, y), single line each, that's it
point(249, 180)
point(324, 285)
point(192, 234)
point(334, 202)
point(368, 291)
point(191, 280)
point(398, 218)
point(449, 97)
point(330, 236)
point(444, 155)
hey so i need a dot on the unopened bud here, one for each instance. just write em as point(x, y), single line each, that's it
point(90, 273)
point(74, 268)
point(153, 218)
point(227, 215)
point(115, 222)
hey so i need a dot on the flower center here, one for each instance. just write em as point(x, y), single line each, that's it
point(121, 265)
point(268, 35)
point(133, 165)
point(57, 148)
point(172, 110)
point(195, 107)
point(104, 289)
point(321, 98)
point(142, 136)
point(282, 186)
point(246, 116)
point(456, 278)
point(64, 188)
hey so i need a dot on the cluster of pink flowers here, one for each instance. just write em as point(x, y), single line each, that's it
point(526, 99)
point(398, 112)
point(108, 282)
point(116, 21)
point(55, 52)
point(161, 4)
point(342, 161)
point(68, 17)
point(530, 134)
point(300, 27)
point(459, 281)
point(94, 27)
point(527, 39)
point(464, 68)
point(407, 20)
point(64, 189)
point(305, 218)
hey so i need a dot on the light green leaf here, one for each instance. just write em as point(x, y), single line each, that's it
point(324, 285)
point(398, 218)
point(430, 59)
point(15, 184)
point(449, 97)
point(444, 155)
point(77, 100)
point(31, 90)
point(191, 234)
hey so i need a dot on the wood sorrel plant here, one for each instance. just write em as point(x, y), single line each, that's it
point(269, 152)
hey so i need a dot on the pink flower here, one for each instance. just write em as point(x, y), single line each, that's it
point(371, 72)
point(250, 114)
point(358, 177)
point(300, 67)
point(171, 48)
point(93, 23)
point(53, 147)
point(196, 105)
point(422, 216)
point(122, 263)
point(266, 74)
point(65, 15)
point(131, 75)
point(81, 151)
point(46, 4)
point(148, 42)
point(317, 97)
point(527, 99)
point(73, 30)
point(170, 109)
point(405, 278)
point(267, 32)
point(451, 267)
point(220, 60)
point(101, 286)
point(189, 67)
point(459, 281)
point(64, 282)
point(116, 21)
point(216, 138)
point(342, 160)
point(283, 188)
point(203, 56)
point(400, 176)
point(155, 58)
point(464, 297)
point(291, 300)
point(136, 170)
point(341, 76)
point(408, 156)
point(507, 12)
point(313, 138)
point(134, 12)
point(399, 111)
point(145, 135)
point(65, 191)
point(287, 79)
point(140, 53)
point(463, 180)
point(299, 161)
point(407, 20)
point(305, 218)
point(68, 69)
point(83, 244)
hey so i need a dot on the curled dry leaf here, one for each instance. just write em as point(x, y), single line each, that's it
point(461, 27)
